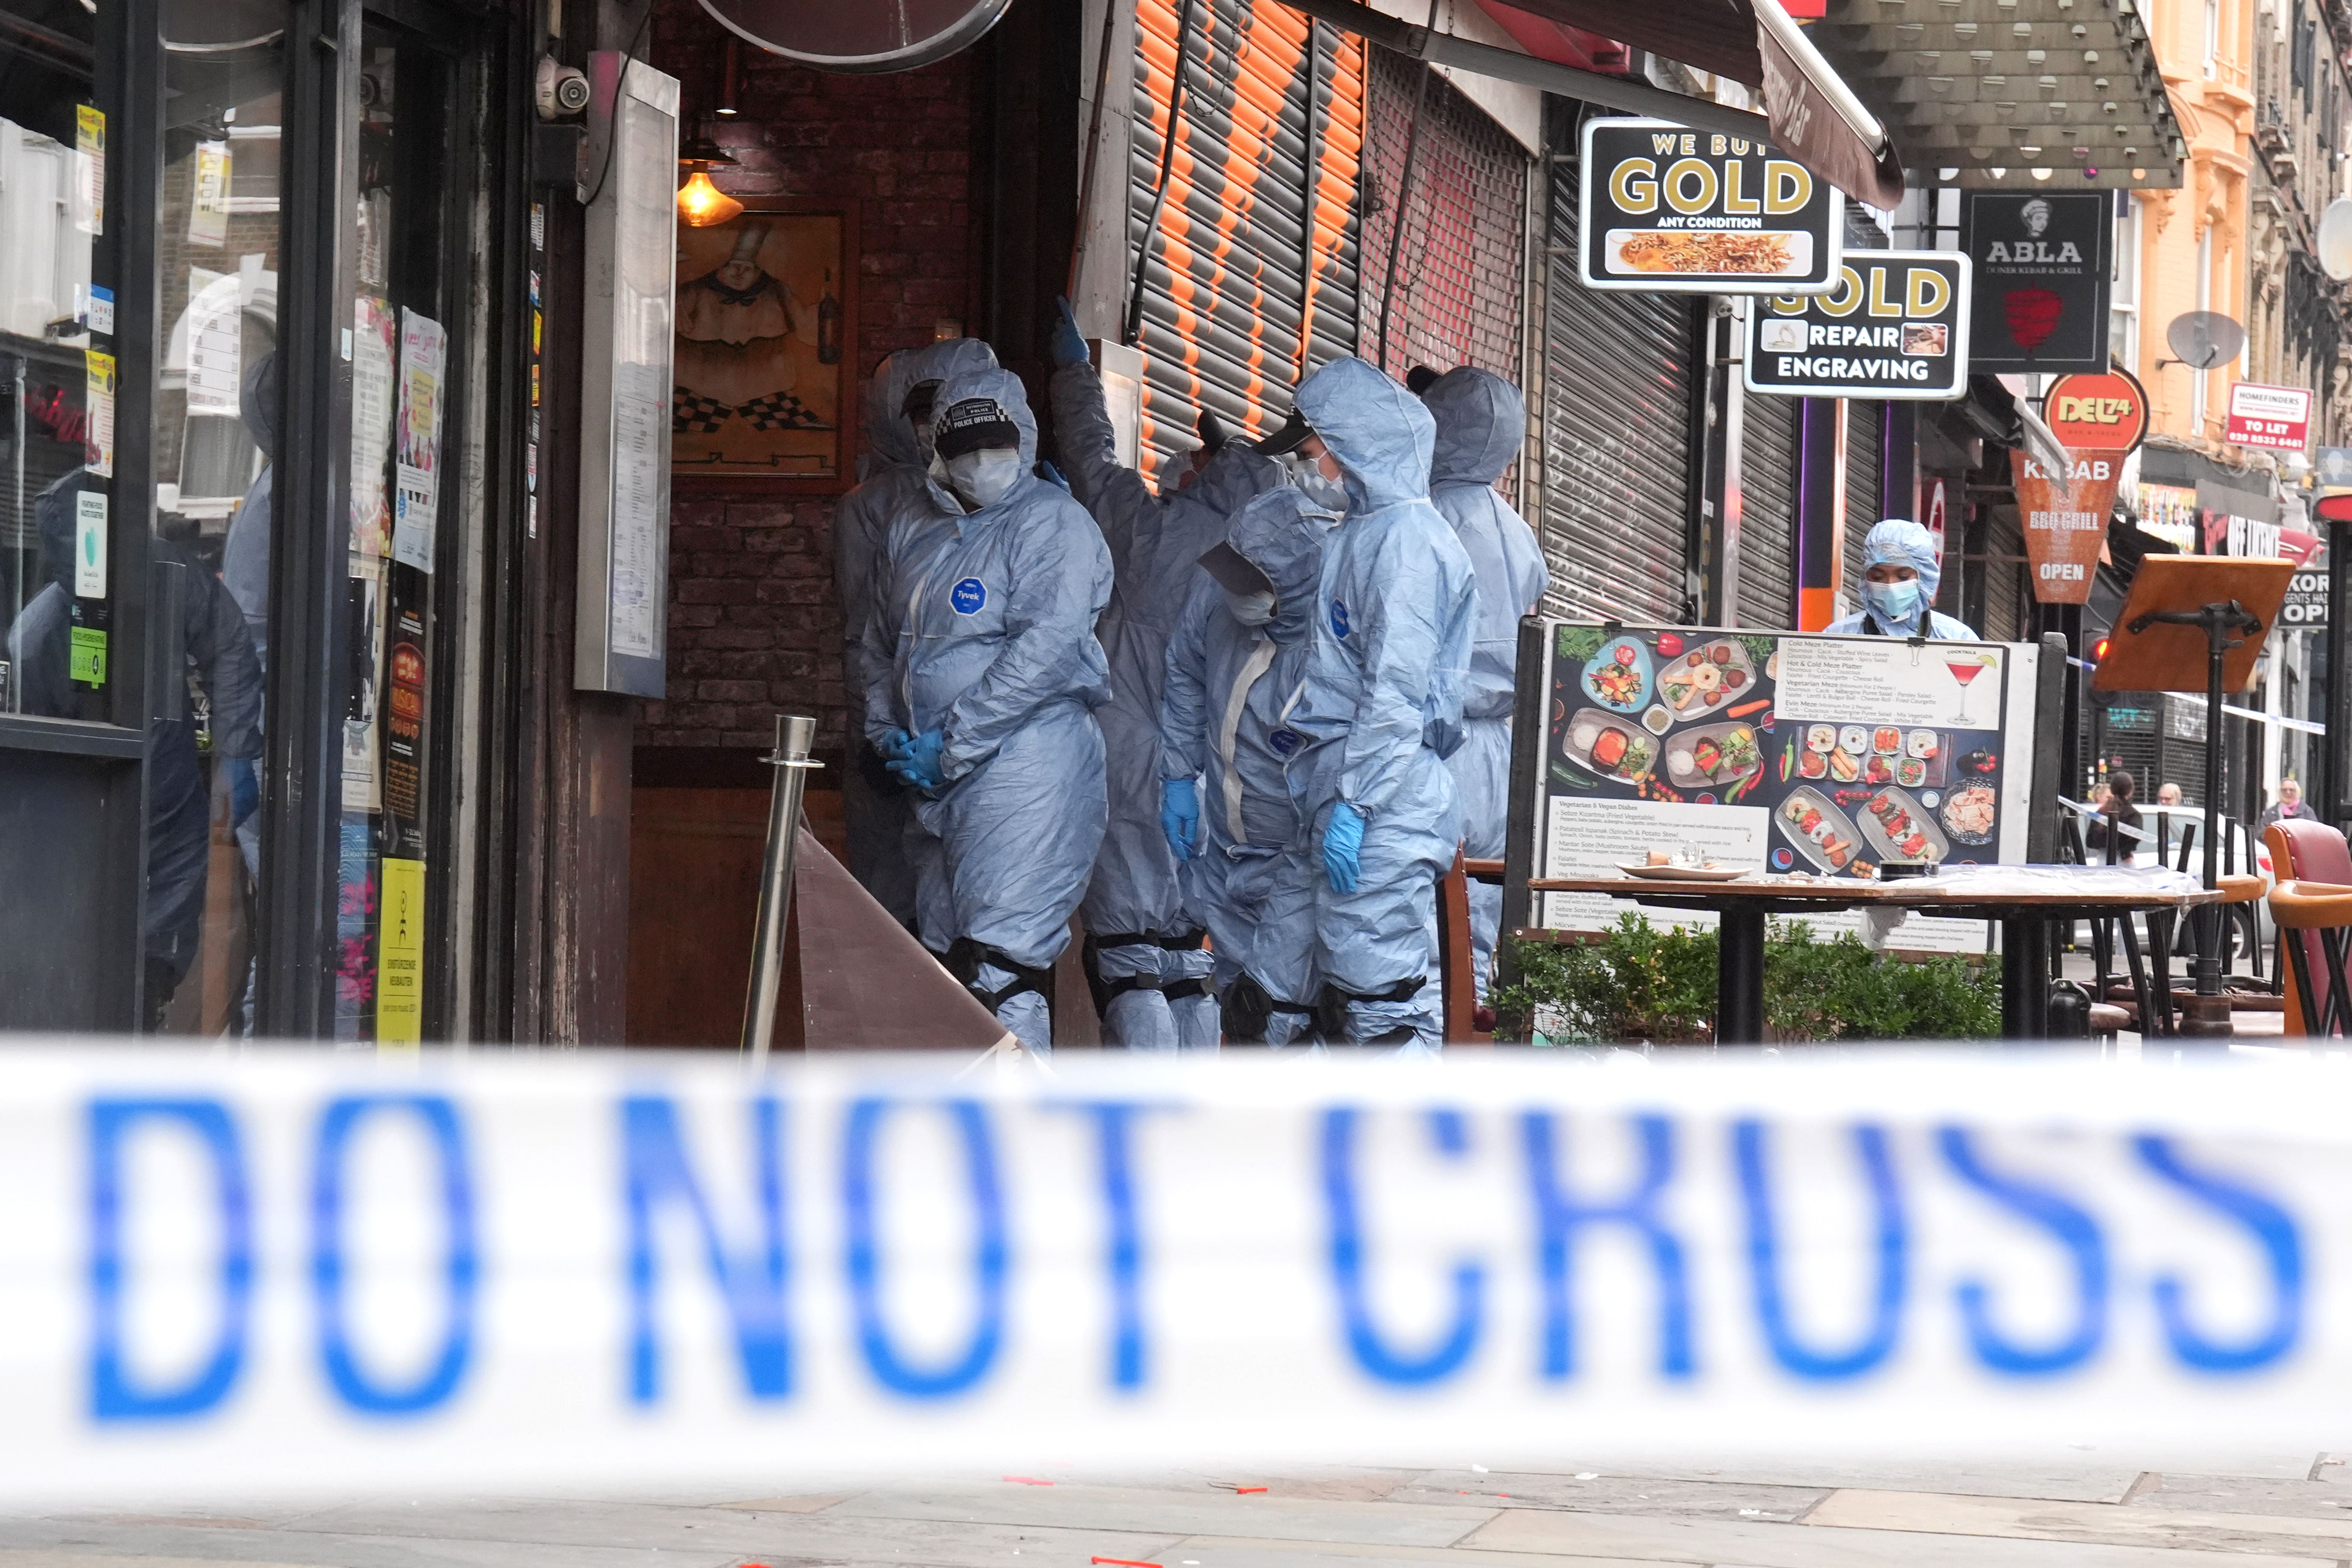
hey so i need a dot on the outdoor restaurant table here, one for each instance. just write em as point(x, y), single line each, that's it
point(2024, 899)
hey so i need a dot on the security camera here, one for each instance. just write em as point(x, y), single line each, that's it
point(563, 92)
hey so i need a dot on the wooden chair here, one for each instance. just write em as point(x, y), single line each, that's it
point(1456, 965)
point(2311, 905)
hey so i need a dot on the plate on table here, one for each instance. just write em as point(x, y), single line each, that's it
point(1705, 680)
point(1684, 873)
point(1900, 828)
point(1619, 676)
point(1712, 756)
point(1814, 825)
point(1610, 745)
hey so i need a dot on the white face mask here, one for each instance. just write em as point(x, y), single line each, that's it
point(923, 439)
point(981, 478)
point(1250, 609)
point(1306, 473)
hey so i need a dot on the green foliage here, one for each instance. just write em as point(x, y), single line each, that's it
point(1641, 983)
point(1576, 644)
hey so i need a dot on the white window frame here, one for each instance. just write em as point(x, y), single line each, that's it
point(2123, 330)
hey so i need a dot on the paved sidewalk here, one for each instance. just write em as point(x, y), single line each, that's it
point(2283, 1511)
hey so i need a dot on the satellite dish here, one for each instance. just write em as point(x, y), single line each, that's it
point(861, 38)
point(2203, 339)
point(2336, 240)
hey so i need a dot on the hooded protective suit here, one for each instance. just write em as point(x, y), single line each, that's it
point(1230, 688)
point(981, 627)
point(1482, 421)
point(879, 808)
point(1148, 963)
point(244, 557)
point(1380, 708)
point(1898, 541)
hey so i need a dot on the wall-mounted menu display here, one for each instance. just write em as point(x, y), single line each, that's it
point(1778, 753)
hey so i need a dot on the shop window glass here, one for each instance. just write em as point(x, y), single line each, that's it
point(216, 415)
point(58, 361)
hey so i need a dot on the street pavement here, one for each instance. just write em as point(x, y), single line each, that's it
point(2081, 1510)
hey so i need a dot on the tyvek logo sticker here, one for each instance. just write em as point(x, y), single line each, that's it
point(1339, 617)
point(969, 596)
point(1284, 741)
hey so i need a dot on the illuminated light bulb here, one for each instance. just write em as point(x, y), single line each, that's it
point(702, 203)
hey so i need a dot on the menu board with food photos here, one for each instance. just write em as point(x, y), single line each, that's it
point(1775, 753)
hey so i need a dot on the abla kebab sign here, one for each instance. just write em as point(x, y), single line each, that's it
point(1669, 210)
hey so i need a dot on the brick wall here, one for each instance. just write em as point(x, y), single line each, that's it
point(754, 628)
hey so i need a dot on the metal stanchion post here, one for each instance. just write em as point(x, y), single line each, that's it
point(791, 761)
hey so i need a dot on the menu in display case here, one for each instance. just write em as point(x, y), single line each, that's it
point(1778, 753)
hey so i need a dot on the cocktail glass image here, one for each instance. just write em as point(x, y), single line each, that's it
point(1964, 668)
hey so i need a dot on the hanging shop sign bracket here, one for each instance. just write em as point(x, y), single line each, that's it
point(1813, 113)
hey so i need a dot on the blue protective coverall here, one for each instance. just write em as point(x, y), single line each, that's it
point(1223, 722)
point(879, 809)
point(1380, 708)
point(1899, 541)
point(981, 626)
point(1149, 968)
point(1482, 421)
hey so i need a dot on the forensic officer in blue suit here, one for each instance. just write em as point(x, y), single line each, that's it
point(1380, 708)
point(1898, 588)
point(878, 807)
point(983, 674)
point(1235, 668)
point(1148, 967)
point(1482, 421)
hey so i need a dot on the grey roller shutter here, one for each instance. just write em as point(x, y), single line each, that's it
point(1231, 318)
point(1862, 508)
point(1618, 377)
point(1768, 516)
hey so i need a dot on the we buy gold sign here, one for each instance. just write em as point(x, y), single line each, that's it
point(2064, 517)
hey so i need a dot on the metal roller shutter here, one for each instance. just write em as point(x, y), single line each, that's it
point(1862, 509)
point(1618, 380)
point(1767, 513)
point(1230, 318)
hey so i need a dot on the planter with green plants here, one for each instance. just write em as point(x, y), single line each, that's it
point(1639, 984)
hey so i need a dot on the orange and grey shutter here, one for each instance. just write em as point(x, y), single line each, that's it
point(1251, 276)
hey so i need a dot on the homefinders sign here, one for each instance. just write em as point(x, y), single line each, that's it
point(1669, 210)
point(1897, 326)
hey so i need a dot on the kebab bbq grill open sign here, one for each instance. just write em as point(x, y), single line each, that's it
point(1669, 210)
point(1897, 326)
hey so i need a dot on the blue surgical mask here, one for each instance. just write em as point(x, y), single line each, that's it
point(1896, 603)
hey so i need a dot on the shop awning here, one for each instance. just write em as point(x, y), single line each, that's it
point(1810, 113)
point(2012, 94)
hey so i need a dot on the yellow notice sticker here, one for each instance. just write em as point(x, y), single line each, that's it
point(97, 410)
point(90, 168)
point(400, 957)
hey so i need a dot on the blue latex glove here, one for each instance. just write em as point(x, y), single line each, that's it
point(1066, 344)
point(1179, 816)
point(920, 765)
point(1343, 845)
point(244, 790)
point(896, 745)
point(1052, 476)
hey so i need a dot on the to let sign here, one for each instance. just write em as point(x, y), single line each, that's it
point(2273, 417)
point(2065, 519)
point(1669, 210)
point(1897, 326)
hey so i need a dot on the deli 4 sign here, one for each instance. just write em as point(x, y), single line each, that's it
point(2273, 417)
point(1669, 210)
point(1897, 326)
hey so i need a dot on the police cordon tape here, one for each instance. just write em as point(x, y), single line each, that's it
point(283, 1272)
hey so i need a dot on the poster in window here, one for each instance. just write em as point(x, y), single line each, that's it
point(765, 365)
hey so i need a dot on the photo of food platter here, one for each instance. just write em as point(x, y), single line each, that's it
point(1619, 678)
point(1714, 756)
point(1968, 814)
point(1899, 828)
point(1714, 679)
point(1731, 253)
point(1813, 824)
point(1875, 754)
point(1607, 744)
